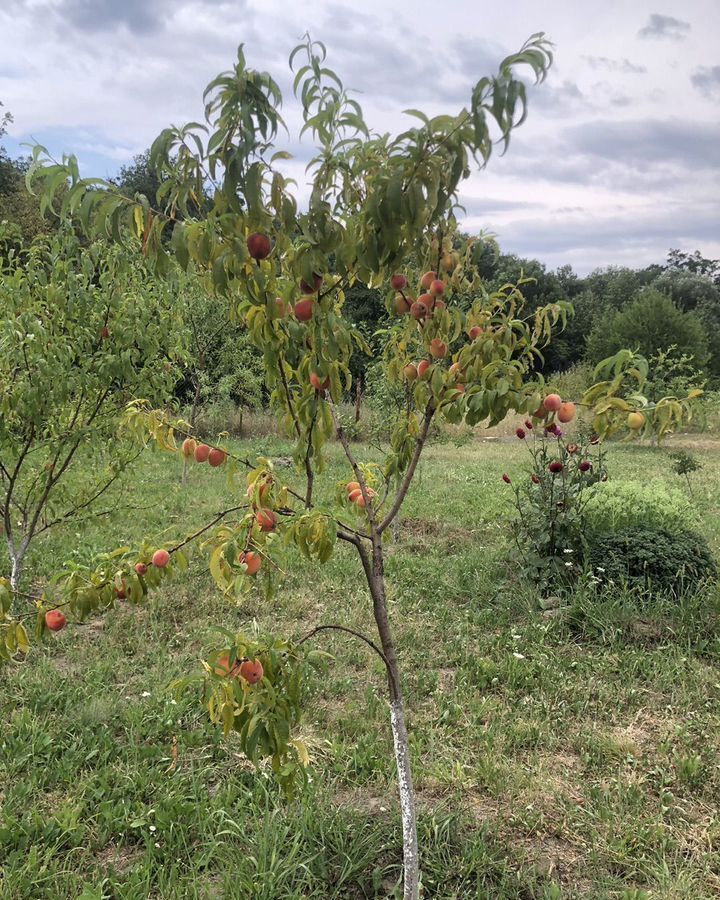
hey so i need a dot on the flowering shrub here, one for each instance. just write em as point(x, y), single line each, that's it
point(550, 502)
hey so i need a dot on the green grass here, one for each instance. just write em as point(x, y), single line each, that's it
point(564, 756)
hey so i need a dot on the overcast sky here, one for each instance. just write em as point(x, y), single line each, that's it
point(619, 159)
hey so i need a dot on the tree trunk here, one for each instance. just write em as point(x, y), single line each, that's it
point(411, 859)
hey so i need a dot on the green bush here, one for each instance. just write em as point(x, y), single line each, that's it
point(649, 558)
point(619, 505)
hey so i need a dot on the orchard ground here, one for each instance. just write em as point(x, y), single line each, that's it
point(560, 756)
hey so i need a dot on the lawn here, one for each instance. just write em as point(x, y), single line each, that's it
point(556, 755)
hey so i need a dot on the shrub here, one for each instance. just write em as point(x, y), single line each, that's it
point(551, 501)
point(619, 505)
point(652, 558)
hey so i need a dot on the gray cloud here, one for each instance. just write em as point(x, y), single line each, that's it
point(644, 142)
point(707, 80)
point(664, 27)
point(615, 65)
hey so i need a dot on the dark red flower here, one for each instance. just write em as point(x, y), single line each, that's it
point(520, 432)
point(528, 424)
point(534, 479)
point(506, 478)
point(585, 465)
point(555, 466)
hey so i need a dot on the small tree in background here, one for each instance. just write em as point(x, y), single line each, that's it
point(376, 202)
point(83, 332)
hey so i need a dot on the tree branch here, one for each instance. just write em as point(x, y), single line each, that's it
point(405, 484)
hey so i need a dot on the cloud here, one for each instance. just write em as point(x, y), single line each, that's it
point(664, 27)
point(707, 80)
point(615, 65)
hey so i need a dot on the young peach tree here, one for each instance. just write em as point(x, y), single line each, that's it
point(83, 332)
point(377, 202)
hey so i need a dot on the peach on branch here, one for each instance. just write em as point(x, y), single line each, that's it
point(266, 519)
point(160, 558)
point(427, 300)
point(251, 670)
point(259, 245)
point(398, 281)
point(304, 310)
point(566, 413)
point(448, 262)
point(251, 561)
point(401, 305)
point(104, 332)
point(141, 568)
point(635, 421)
point(55, 620)
point(121, 592)
point(314, 287)
point(216, 457)
point(427, 280)
point(422, 367)
point(437, 287)
point(222, 666)
point(352, 486)
point(552, 402)
point(202, 452)
point(320, 384)
point(418, 310)
point(438, 348)
point(188, 447)
point(410, 371)
point(475, 332)
point(456, 371)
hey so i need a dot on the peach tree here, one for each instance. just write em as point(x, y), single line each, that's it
point(83, 332)
point(380, 212)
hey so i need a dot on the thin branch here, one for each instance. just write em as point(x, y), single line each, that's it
point(356, 634)
point(402, 491)
point(342, 437)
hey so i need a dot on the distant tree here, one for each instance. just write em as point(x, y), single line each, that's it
point(678, 260)
point(139, 177)
point(652, 323)
point(17, 205)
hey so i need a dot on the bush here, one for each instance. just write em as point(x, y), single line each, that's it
point(674, 562)
point(619, 505)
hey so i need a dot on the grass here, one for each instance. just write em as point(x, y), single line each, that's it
point(556, 755)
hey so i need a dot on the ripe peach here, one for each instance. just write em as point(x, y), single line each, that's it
point(188, 447)
point(438, 348)
point(401, 305)
point(427, 280)
point(552, 402)
point(566, 413)
point(216, 457)
point(422, 367)
point(437, 287)
point(266, 519)
point(427, 300)
point(439, 304)
point(475, 332)
point(410, 371)
point(635, 420)
point(259, 245)
point(304, 310)
point(314, 287)
point(263, 490)
point(251, 671)
point(361, 500)
point(418, 310)
point(355, 494)
point(222, 666)
point(104, 332)
point(251, 560)
point(55, 620)
point(202, 451)
point(320, 384)
point(160, 558)
point(352, 486)
point(121, 592)
point(398, 281)
point(456, 371)
point(141, 568)
point(460, 387)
